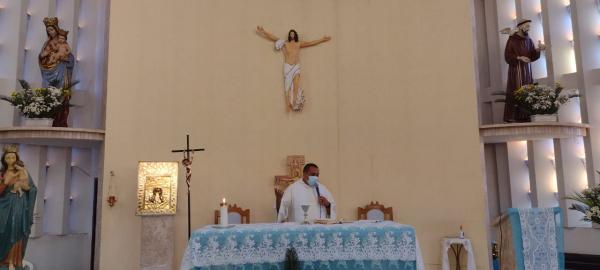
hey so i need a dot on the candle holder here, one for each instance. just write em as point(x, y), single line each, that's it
point(111, 200)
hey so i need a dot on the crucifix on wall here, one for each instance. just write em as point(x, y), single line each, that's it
point(291, 67)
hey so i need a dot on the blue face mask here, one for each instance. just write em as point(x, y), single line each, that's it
point(313, 180)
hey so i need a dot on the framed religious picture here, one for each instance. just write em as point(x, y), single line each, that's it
point(157, 188)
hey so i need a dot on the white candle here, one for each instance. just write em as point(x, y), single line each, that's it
point(224, 213)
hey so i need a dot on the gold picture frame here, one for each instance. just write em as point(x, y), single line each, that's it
point(157, 188)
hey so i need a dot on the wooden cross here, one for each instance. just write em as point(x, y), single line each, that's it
point(295, 165)
point(187, 163)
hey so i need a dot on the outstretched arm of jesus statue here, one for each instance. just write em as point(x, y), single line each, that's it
point(305, 44)
point(264, 33)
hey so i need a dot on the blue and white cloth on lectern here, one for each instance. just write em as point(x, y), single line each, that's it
point(359, 245)
point(537, 233)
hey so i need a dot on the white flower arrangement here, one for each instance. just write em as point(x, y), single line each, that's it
point(589, 203)
point(37, 102)
point(593, 213)
point(543, 99)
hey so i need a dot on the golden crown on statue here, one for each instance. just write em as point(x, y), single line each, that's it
point(11, 148)
point(51, 21)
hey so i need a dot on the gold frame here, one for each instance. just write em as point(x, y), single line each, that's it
point(157, 188)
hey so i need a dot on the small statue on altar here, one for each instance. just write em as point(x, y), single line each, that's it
point(291, 67)
point(519, 53)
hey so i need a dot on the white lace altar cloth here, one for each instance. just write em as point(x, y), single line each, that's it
point(358, 245)
point(538, 232)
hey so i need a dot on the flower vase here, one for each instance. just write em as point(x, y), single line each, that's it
point(37, 122)
point(536, 118)
point(595, 225)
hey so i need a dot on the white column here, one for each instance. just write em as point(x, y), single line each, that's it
point(13, 23)
point(586, 30)
point(495, 62)
point(87, 65)
point(57, 193)
point(548, 42)
point(544, 186)
point(81, 191)
point(574, 178)
point(519, 174)
point(67, 12)
point(504, 186)
point(36, 36)
point(34, 157)
point(561, 35)
point(507, 17)
point(532, 10)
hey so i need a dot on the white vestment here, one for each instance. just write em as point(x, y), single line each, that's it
point(289, 73)
point(298, 194)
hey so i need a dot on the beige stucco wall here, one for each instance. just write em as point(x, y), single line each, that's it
point(390, 114)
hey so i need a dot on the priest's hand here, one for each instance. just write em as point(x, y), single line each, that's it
point(324, 202)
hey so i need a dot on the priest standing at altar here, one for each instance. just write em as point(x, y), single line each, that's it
point(307, 191)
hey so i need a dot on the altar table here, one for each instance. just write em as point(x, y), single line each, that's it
point(358, 245)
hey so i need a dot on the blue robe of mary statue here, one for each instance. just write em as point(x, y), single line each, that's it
point(16, 218)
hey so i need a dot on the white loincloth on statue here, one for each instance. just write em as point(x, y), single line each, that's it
point(289, 73)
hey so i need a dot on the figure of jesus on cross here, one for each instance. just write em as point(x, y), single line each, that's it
point(187, 163)
point(291, 67)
